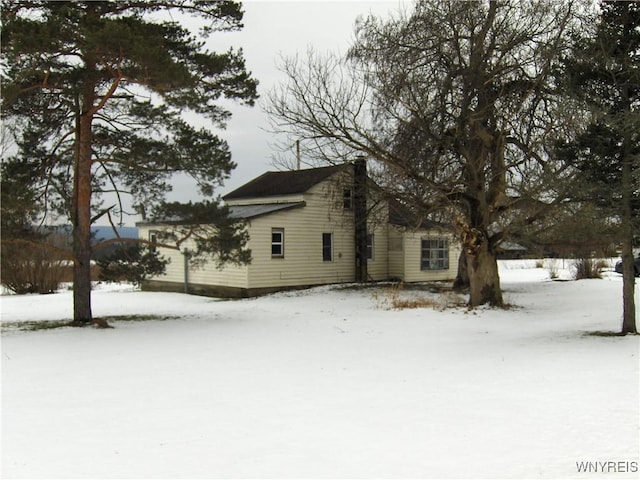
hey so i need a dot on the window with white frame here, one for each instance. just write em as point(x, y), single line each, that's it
point(277, 242)
point(370, 246)
point(327, 247)
point(434, 254)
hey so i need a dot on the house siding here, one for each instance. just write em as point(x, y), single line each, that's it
point(233, 276)
point(174, 271)
point(395, 254)
point(302, 263)
point(378, 267)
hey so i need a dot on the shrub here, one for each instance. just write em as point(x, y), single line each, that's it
point(131, 263)
point(34, 265)
point(552, 268)
point(587, 268)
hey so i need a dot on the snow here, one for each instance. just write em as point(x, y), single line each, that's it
point(325, 383)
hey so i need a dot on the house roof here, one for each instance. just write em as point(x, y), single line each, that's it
point(235, 212)
point(403, 217)
point(253, 211)
point(511, 247)
point(283, 183)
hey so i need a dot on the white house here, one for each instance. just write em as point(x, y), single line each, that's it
point(302, 232)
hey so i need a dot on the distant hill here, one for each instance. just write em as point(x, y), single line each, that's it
point(102, 233)
point(106, 232)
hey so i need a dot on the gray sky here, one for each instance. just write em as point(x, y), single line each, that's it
point(273, 29)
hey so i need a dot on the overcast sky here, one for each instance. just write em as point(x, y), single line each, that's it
point(273, 29)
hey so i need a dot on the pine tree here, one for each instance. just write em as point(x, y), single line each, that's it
point(98, 91)
point(604, 73)
point(132, 263)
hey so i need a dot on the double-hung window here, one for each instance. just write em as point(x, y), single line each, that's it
point(327, 247)
point(434, 254)
point(277, 242)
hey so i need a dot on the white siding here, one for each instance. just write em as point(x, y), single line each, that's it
point(207, 274)
point(302, 263)
point(396, 253)
point(229, 276)
point(378, 267)
point(175, 269)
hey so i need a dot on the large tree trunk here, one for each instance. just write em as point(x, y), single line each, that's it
point(628, 287)
point(81, 205)
point(461, 281)
point(628, 268)
point(82, 193)
point(484, 281)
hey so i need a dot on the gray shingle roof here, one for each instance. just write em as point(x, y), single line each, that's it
point(252, 211)
point(283, 183)
point(401, 216)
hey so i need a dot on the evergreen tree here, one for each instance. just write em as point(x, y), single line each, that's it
point(97, 91)
point(604, 73)
point(131, 263)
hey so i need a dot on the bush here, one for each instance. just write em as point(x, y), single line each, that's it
point(132, 263)
point(552, 268)
point(588, 268)
point(34, 266)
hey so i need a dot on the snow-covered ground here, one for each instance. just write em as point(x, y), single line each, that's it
point(327, 382)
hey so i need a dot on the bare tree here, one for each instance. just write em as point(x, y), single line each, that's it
point(457, 104)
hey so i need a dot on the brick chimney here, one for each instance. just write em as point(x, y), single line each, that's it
point(360, 216)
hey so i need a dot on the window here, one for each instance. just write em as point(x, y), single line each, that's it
point(434, 254)
point(347, 203)
point(153, 238)
point(327, 247)
point(277, 242)
point(370, 246)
